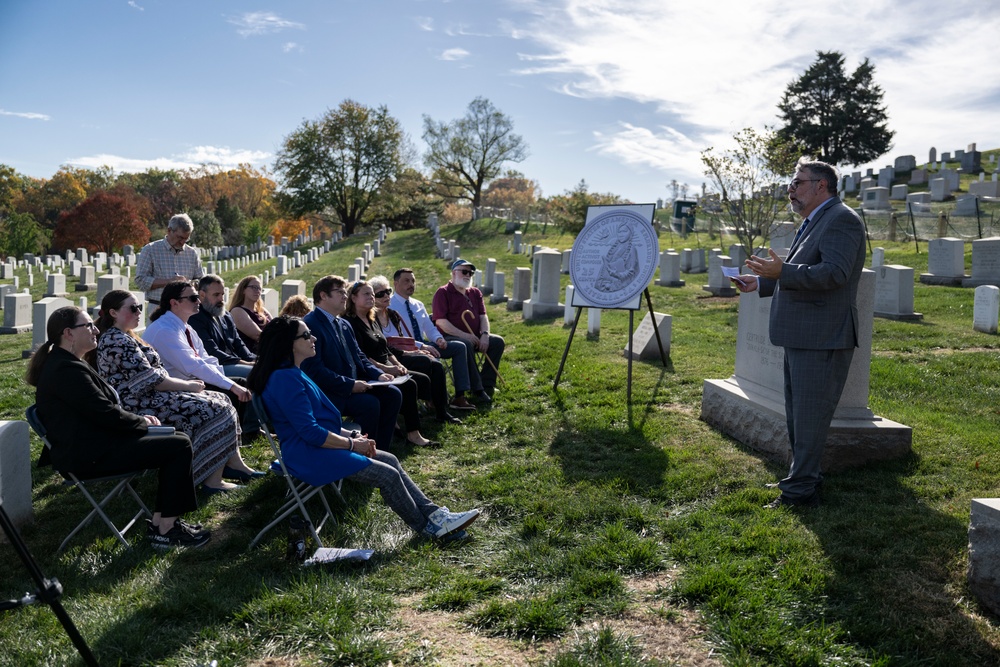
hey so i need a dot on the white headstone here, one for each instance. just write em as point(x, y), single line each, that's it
point(569, 313)
point(945, 259)
point(878, 257)
point(644, 338)
point(986, 309)
point(566, 256)
point(106, 283)
point(544, 301)
point(491, 268)
point(594, 321)
point(894, 293)
point(498, 295)
point(15, 471)
point(292, 288)
point(41, 310)
point(518, 237)
point(16, 313)
point(282, 265)
point(272, 301)
point(985, 263)
point(670, 270)
point(521, 291)
point(56, 285)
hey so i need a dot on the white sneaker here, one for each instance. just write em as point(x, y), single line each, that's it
point(443, 521)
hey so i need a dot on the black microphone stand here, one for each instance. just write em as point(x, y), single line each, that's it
point(49, 590)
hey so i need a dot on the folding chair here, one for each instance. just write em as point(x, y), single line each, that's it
point(122, 482)
point(298, 491)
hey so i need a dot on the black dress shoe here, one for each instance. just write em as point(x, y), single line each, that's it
point(812, 500)
point(481, 397)
point(448, 418)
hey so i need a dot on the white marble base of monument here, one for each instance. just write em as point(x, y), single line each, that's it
point(670, 270)
point(521, 291)
point(986, 309)
point(945, 262)
point(544, 301)
point(750, 405)
point(15, 473)
point(719, 284)
point(498, 295)
point(985, 263)
point(894, 293)
point(644, 338)
point(984, 548)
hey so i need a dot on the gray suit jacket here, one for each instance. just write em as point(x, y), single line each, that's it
point(815, 300)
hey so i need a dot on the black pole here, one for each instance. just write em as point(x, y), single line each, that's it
point(631, 351)
point(49, 590)
point(979, 222)
point(579, 311)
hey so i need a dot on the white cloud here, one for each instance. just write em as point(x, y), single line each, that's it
point(222, 156)
point(453, 54)
point(288, 47)
point(262, 23)
point(425, 23)
point(135, 5)
point(30, 115)
point(708, 70)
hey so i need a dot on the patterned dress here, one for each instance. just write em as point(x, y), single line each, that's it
point(208, 417)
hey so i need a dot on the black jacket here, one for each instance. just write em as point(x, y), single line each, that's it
point(220, 338)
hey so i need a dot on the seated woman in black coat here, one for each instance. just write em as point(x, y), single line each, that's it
point(93, 436)
point(372, 342)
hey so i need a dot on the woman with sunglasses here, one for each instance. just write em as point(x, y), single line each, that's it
point(318, 450)
point(425, 368)
point(248, 311)
point(133, 368)
point(360, 313)
point(93, 436)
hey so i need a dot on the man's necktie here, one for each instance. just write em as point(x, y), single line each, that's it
point(802, 229)
point(343, 349)
point(187, 332)
point(417, 335)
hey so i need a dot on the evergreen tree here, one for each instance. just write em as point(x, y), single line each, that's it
point(834, 117)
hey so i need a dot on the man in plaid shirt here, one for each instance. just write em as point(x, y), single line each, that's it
point(168, 259)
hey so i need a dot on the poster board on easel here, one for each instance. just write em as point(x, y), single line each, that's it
point(613, 261)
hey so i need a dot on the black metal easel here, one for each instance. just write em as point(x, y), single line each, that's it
point(49, 590)
point(631, 330)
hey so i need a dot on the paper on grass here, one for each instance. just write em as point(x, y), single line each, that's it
point(331, 554)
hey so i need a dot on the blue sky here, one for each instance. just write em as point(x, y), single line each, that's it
point(624, 94)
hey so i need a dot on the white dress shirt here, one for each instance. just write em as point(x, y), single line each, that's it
point(182, 352)
point(427, 328)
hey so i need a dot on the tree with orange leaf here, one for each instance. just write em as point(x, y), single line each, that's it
point(101, 223)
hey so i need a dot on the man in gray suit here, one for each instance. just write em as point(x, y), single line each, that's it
point(814, 316)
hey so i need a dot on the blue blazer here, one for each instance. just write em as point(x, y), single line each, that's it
point(815, 299)
point(329, 368)
point(302, 416)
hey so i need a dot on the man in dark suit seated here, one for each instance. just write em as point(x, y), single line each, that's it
point(814, 316)
point(342, 370)
point(217, 331)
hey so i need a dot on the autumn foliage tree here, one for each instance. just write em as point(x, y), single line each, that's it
point(101, 223)
point(512, 191)
point(568, 211)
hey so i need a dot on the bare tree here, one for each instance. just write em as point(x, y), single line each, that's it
point(749, 180)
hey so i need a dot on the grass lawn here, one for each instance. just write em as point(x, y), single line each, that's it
point(606, 539)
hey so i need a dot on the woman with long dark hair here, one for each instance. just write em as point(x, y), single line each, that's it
point(93, 436)
point(315, 446)
point(133, 368)
point(360, 313)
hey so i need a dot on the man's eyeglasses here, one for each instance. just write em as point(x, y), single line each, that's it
point(382, 293)
point(193, 298)
point(135, 308)
point(305, 335)
point(794, 185)
point(467, 272)
point(89, 325)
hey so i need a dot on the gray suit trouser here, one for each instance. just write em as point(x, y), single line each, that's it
point(814, 381)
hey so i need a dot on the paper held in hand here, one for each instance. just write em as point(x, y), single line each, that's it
point(732, 272)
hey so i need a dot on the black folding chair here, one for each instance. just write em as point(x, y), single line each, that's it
point(122, 482)
point(298, 491)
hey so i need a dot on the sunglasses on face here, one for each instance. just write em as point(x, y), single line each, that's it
point(305, 335)
point(385, 292)
point(135, 308)
point(466, 272)
point(89, 325)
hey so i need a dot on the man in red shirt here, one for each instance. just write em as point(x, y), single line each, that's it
point(460, 314)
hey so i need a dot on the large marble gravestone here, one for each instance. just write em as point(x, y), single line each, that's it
point(945, 262)
point(750, 405)
point(894, 293)
point(985, 263)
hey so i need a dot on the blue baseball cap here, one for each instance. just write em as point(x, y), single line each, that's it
point(461, 262)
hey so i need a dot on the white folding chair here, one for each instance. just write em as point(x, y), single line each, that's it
point(122, 482)
point(298, 491)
